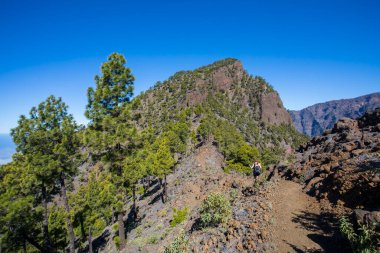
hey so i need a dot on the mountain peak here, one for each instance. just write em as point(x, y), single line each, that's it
point(225, 91)
point(228, 62)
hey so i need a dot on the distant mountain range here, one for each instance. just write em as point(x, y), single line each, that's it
point(7, 148)
point(315, 119)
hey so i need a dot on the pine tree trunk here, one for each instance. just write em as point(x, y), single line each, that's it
point(89, 241)
point(165, 189)
point(160, 182)
point(83, 232)
point(145, 185)
point(134, 202)
point(45, 224)
point(121, 230)
point(69, 224)
point(162, 192)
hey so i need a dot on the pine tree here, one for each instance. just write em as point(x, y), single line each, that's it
point(162, 162)
point(47, 140)
point(92, 203)
point(110, 137)
point(133, 171)
point(18, 208)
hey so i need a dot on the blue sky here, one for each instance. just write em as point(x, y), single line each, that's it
point(310, 51)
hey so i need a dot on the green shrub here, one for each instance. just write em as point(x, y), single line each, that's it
point(179, 216)
point(365, 240)
point(167, 231)
point(232, 165)
point(139, 231)
point(115, 227)
point(179, 245)
point(215, 209)
point(140, 190)
point(233, 195)
point(153, 239)
point(227, 169)
point(159, 227)
point(116, 240)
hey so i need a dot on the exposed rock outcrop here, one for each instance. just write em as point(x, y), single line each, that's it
point(343, 165)
point(272, 110)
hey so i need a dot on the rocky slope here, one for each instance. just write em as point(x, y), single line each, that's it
point(342, 167)
point(315, 119)
point(194, 179)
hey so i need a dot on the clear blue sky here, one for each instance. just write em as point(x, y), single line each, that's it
point(309, 50)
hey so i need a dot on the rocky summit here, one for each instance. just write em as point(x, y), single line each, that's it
point(316, 119)
point(226, 91)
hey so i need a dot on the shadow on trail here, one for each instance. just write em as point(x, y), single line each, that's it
point(299, 250)
point(324, 231)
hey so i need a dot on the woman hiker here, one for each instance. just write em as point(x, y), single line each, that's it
point(256, 167)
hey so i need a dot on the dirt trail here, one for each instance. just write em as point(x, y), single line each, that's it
point(298, 223)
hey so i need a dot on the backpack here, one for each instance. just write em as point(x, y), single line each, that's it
point(257, 169)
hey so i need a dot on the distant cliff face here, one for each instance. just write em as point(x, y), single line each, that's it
point(314, 120)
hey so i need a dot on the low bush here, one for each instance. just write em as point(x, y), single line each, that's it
point(215, 209)
point(153, 239)
point(116, 240)
point(179, 245)
point(233, 195)
point(364, 240)
point(179, 216)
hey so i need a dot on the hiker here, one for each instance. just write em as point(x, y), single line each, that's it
point(256, 166)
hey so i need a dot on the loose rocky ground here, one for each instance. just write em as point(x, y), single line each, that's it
point(194, 179)
point(290, 204)
point(300, 224)
point(275, 215)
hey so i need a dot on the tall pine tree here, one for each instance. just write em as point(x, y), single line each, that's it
point(47, 141)
point(110, 137)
